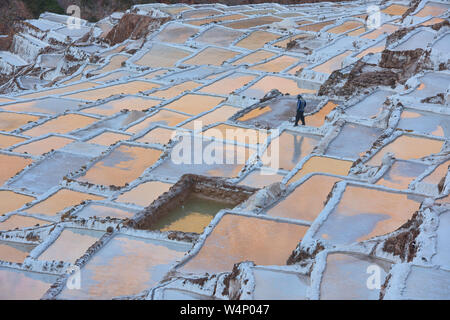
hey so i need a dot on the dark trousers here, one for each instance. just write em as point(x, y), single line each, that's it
point(300, 116)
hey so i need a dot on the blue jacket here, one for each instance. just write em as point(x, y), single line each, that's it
point(301, 104)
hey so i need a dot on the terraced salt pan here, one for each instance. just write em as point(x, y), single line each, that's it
point(267, 243)
point(229, 84)
point(175, 33)
point(254, 57)
point(215, 165)
point(418, 40)
point(395, 10)
point(115, 63)
point(345, 27)
point(317, 164)
point(293, 147)
point(425, 122)
point(7, 141)
point(59, 201)
point(257, 39)
point(370, 106)
point(46, 105)
point(117, 122)
point(194, 103)
point(436, 176)
point(162, 56)
point(62, 125)
point(259, 178)
point(123, 165)
point(114, 76)
point(193, 215)
point(432, 9)
point(11, 201)
point(200, 22)
point(432, 83)
point(14, 252)
point(405, 148)
point(142, 263)
point(316, 27)
point(332, 64)
point(219, 36)
point(103, 211)
point(175, 90)
point(211, 56)
point(22, 285)
point(60, 91)
point(222, 113)
point(426, 284)
point(401, 174)
point(11, 165)
point(195, 14)
point(253, 22)
point(306, 201)
point(373, 49)
point(157, 135)
point(70, 245)
point(108, 138)
point(11, 121)
point(42, 146)
point(364, 213)
point(164, 117)
point(352, 141)
point(279, 285)
point(20, 222)
point(276, 65)
point(384, 29)
point(236, 134)
point(317, 119)
point(284, 85)
point(442, 45)
point(131, 87)
point(346, 276)
point(442, 256)
point(129, 103)
point(145, 193)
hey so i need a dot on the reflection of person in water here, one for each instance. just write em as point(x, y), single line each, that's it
point(298, 141)
point(301, 105)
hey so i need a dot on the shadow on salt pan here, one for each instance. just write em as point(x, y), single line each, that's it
point(125, 266)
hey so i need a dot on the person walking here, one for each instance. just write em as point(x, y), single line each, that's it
point(301, 105)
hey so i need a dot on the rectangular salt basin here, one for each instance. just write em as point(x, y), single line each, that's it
point(425, 122)
point(442, 256)
point(427, 284)
point(11, 165)
point(385, 29)
point(257, 39)
point(222, 113)
point(128, 103)
point(395, 9)
point(42, 146)
point(218, 19)
point(21, 285)
point(194, 103)
point(60, 200)
point(49, 172)
point(438, 173)
point(59, 91)
point(193, 215)
point(401, 174)
point(14, 252)
point(131, 87)
point(161, 55)
point(108, 138)
point(318, 164)
point(219, 36)
point(306, 201)
point(266, 243)
point(370, 106)
point(126, 266)
point(346, 276)
point(432, 9)
point(276, 65)
point(254, 57)
point(158, 135)
point(317, 119)
point(353, 141)
point(71, 245)
point(20, 222)
point(229, 84)
point(179, 163)
point(432, 83)
point(211, 56)
point(175, 33)
point(145, 193)
point(46, 106)
point(103, 211)
point(176, 90)
point(279, 285)
point(332, 64)
point(10, 201)
point(292, 148)
point(7, 141)
point(11, 121)
point(62, 125)
point(284, 85)
point(364, 213)
point(254, 22)
point(237, 134)
point(345, 27)
point(121, 166)
point(405, 148)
